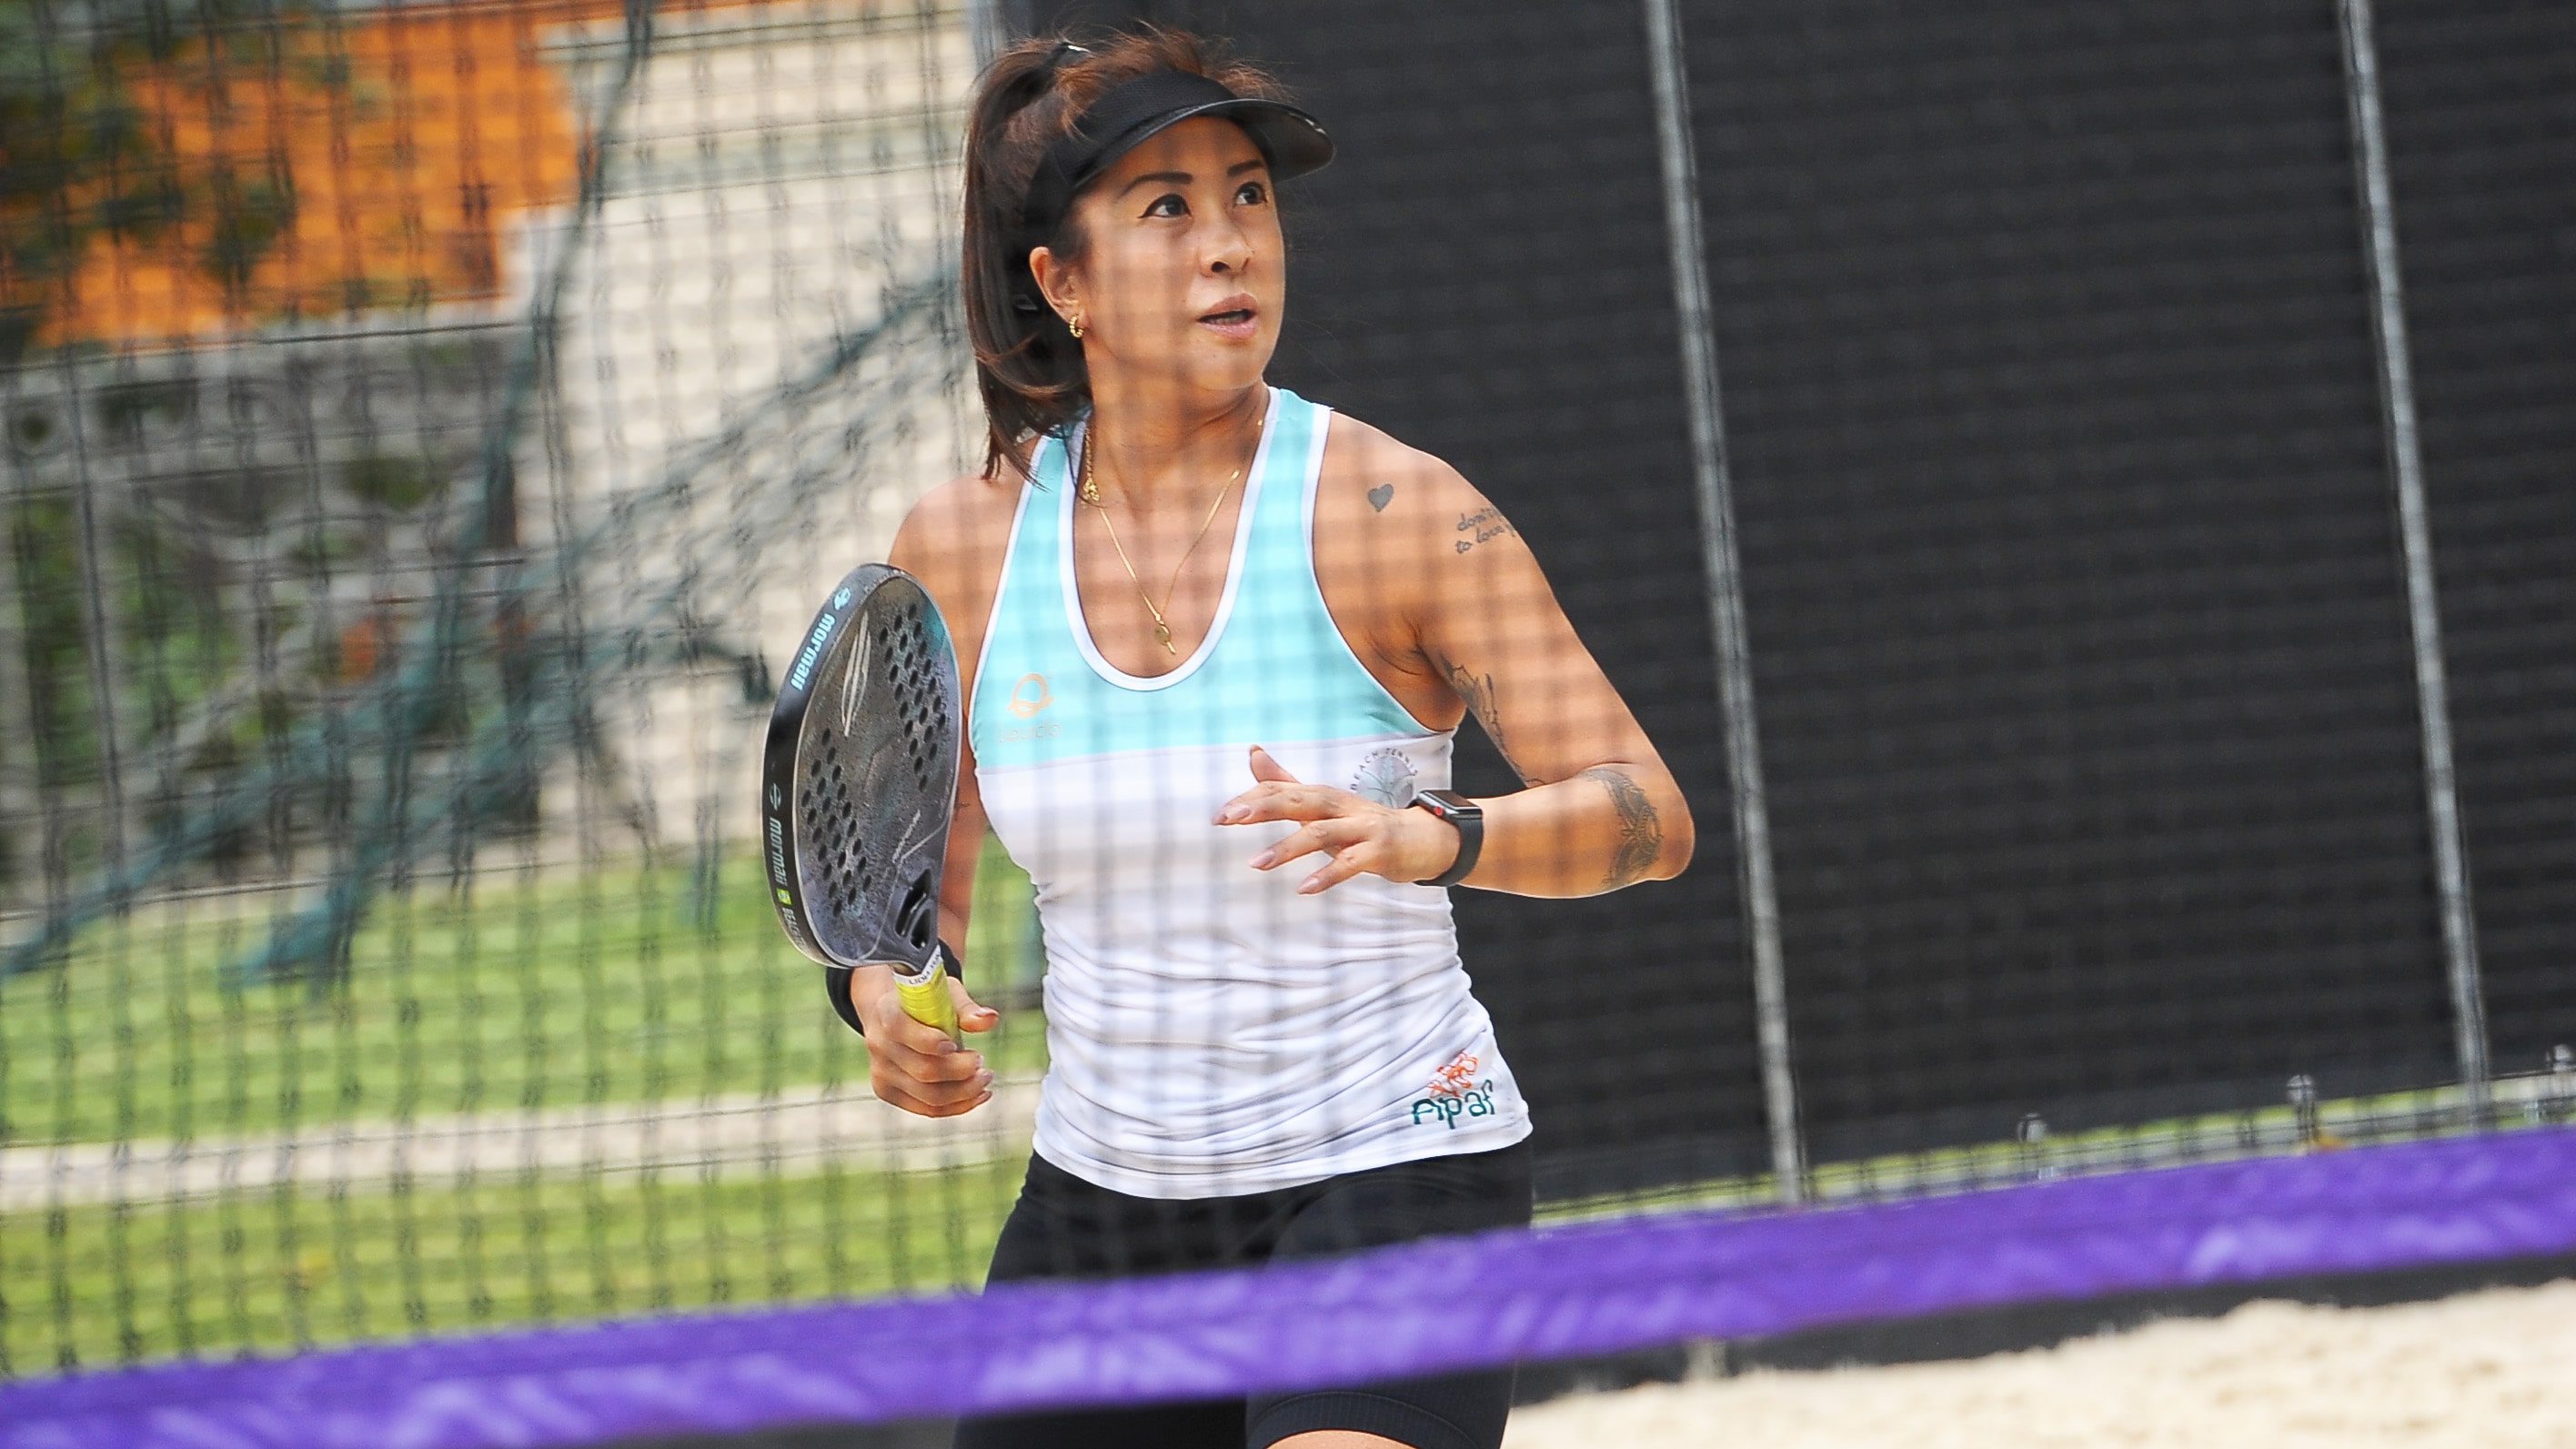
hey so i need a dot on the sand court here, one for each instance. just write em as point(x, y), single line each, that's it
point(2493, 1369)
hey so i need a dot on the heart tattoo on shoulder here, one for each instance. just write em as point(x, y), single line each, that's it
point(1379, 496)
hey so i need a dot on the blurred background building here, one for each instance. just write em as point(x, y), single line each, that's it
point(365, 347)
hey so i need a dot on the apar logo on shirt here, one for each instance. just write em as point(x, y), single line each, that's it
point(1454, 1092)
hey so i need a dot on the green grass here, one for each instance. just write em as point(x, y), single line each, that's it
point(280, 1271)
point(616, 984)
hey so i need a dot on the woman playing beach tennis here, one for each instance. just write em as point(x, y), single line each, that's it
point(1216, 641)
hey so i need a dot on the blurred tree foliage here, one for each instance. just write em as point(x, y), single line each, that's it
point(181, 172)
point(180, 168)
point(45, 551)
point(86, 154)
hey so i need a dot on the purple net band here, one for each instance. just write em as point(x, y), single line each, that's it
point(1589, 1289)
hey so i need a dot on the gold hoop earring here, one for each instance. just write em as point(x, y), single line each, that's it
point(1074, 325)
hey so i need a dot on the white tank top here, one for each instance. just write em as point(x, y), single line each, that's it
point(1212, 1032)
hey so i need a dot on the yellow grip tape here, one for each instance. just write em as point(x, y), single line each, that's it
point(927, 1001)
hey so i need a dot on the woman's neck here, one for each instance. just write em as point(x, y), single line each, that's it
point(1158, 453)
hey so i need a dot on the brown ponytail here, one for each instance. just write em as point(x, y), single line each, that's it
point(1027, 364)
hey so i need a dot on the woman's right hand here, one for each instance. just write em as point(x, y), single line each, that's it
point(914, 1066)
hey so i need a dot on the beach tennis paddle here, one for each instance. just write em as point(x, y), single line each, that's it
point(858, 781)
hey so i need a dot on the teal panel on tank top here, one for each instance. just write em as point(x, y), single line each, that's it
point(1274, 668)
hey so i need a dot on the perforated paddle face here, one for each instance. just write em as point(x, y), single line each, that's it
point(872, 779)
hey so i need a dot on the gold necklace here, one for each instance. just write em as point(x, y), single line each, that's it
point(1090, 492)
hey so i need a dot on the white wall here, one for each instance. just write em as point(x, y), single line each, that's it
point(779, 171)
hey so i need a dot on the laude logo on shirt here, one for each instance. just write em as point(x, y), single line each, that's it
point(1028, 697)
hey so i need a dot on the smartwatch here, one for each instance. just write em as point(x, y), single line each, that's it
point(1463, 813)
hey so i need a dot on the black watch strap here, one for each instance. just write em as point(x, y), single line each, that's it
point(836, 986)
point(1468, 817)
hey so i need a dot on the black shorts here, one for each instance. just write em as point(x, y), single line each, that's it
point(1063, 1227)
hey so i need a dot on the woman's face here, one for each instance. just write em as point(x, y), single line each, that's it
point(1181, 280)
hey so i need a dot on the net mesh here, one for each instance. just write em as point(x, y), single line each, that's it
point(430, 428)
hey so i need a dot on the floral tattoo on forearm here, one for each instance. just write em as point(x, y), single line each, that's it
point(1641, 831)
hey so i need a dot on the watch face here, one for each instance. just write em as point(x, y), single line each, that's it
point(1448, 803)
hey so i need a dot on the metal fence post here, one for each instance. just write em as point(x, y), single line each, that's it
point(1702, 402)
point(21, 852)
point(2415, 538)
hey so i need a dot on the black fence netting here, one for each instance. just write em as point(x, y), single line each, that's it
point(2074, 496)
point(2056, 437)
point(2478, 117)
point(2088, 710)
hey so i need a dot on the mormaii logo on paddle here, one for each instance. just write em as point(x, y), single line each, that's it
point(1454, 1092)
point(813, 650)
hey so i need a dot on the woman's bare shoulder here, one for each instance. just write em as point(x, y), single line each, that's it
point(1375, 481)
point(959, 528)
point(969, 503)
point(1389, 518)
point(954, 541)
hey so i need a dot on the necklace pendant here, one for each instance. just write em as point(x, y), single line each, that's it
point(1163, 636)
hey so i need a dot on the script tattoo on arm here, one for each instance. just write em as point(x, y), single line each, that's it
point(1482, 526)
point(1641, 831)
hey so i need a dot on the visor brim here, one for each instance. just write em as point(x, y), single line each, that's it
point(1292, 142)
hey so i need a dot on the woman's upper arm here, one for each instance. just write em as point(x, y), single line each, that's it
point(1442, 598)
point(1490, 625)
point(945, 542)
point(953, 541)
point(1493, 627)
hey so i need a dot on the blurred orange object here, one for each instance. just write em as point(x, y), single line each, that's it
point(329, 165)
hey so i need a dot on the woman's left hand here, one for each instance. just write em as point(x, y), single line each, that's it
point(1357, 835)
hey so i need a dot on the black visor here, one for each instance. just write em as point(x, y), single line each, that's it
point(1292, 143)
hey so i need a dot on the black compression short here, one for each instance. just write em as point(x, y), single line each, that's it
point(1063, 1227)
